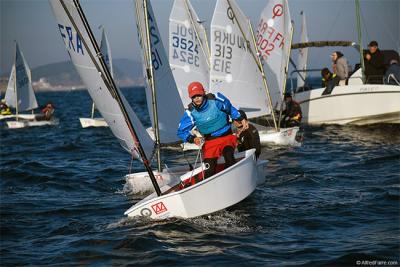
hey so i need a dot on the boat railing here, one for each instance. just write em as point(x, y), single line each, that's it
point(313, 82)
point(309, 83)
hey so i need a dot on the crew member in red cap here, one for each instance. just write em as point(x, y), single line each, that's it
point(210, 114)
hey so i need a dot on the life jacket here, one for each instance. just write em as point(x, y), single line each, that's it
point(325, 82)
point(294, 111)
point(6, 111)
point(209, 118)
point(48, 111)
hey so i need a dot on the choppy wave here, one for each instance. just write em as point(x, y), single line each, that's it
point(331, 202)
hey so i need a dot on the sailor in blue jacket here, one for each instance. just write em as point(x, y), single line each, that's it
point(210, 114)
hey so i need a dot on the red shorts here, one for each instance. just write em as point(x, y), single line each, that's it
point(213, 148)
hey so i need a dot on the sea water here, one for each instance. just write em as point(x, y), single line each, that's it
point(333, 201)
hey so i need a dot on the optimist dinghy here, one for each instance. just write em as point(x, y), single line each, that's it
point(220, 191)
point(21, 96)
point(228, 187)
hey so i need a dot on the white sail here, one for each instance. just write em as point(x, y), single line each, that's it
point(188, 48)
point(19, 89)
point(303, 53)
point(273, 42)
point(10, 95)
point(82, 52)
point(169, 105)
point(234, 71)
point(106, 52)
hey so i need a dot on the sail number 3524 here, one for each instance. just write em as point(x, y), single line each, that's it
point(184, 49)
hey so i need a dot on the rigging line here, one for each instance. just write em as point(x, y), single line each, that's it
point(197, 157)
point(297, 70)
point(386, 29)
point(130, 165)
point(363, 20)
point(336, 19)
point(184, 156)
point(111, 87)
point(332, 26)
point(205, 52)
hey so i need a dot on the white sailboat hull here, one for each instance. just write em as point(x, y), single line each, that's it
point(284, 137)
point(218, 192)
point(20, 116)
point(352, 104)
point(30, 123)
point(96, 122)
point(140, 183)
point(4, 117)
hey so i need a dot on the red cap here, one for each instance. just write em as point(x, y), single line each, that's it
point(195, 88)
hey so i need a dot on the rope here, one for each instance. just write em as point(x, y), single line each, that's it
point(195, 162)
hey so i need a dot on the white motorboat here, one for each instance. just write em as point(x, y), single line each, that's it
point(351, 104)
point(356, 103)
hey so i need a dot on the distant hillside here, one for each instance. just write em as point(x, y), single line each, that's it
point(63, 76)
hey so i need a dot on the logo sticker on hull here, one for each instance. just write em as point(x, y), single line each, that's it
point(145, 212)
point(159, 208)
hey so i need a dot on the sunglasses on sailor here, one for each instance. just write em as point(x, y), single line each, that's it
point(196, 96)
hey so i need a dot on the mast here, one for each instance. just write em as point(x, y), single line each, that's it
point(15, 82)
point(150, 74)
point(357, 2)
point(92, 110)
point(256, 59)
point(284, 77)
point(106, 76)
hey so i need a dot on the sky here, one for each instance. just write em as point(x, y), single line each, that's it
point(32, 24)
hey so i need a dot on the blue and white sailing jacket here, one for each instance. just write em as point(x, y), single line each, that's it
point(211, 118)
